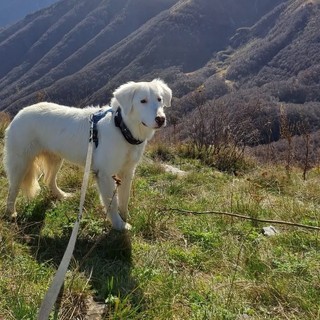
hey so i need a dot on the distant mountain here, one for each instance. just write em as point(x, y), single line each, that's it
point(272, 65)
point(13, 10)
point(77, 51)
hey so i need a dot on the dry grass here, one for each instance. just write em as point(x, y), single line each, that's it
point(4, 122)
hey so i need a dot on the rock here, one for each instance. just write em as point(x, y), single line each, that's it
point(269, 231)
point(174, 170)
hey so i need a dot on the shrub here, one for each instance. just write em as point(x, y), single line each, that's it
point(161, 151)
point(4, 122)
point(218, 133)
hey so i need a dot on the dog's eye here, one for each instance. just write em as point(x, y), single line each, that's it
point(143, 101)
point(159, 99)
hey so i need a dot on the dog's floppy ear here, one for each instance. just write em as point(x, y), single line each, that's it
point(167, 92)
point(124, 95)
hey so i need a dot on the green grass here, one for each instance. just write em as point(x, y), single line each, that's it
point(170, 266)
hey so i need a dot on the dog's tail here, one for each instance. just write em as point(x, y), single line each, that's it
point(30, 185)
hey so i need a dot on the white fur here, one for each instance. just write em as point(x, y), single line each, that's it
point(50, 133)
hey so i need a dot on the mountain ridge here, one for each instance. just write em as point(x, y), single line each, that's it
point(169, 34)
point(12, 11)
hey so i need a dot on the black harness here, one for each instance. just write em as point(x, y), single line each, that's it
point(118, 121)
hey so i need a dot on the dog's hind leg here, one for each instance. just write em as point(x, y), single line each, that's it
point(109, 198)
point(51, 164)
point(21, 173)
point(11, 200)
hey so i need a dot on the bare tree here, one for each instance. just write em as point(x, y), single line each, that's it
point(286, 133)
point(219, 132)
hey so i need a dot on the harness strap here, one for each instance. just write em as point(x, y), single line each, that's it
point(94, 119)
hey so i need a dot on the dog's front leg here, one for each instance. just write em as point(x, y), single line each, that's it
point(109, 197)
point(124, 191)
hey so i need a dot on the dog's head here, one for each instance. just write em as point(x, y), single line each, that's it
point(144, 102)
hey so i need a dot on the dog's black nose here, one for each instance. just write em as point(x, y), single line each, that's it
point(160, 120)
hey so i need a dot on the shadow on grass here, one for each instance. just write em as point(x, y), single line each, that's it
point(106, 258)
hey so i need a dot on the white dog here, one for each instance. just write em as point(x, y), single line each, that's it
point(51, 133)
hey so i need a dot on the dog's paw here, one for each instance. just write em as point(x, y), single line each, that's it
point(11, 216)
point(62, 195)
point(127, 226)
point(121, 225)
point(67, 195)
point(117, 222)
point(14, 216)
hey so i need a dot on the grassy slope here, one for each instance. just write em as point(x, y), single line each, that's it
point(170, 266)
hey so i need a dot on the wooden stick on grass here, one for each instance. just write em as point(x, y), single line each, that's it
point(237, 215)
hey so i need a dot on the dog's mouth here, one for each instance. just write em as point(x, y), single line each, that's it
point(154, 128)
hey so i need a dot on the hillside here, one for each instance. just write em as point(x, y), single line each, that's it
point(171, 265)
point(77, 52)
point(272, 65)
point(251, 60)
point(13, 10)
